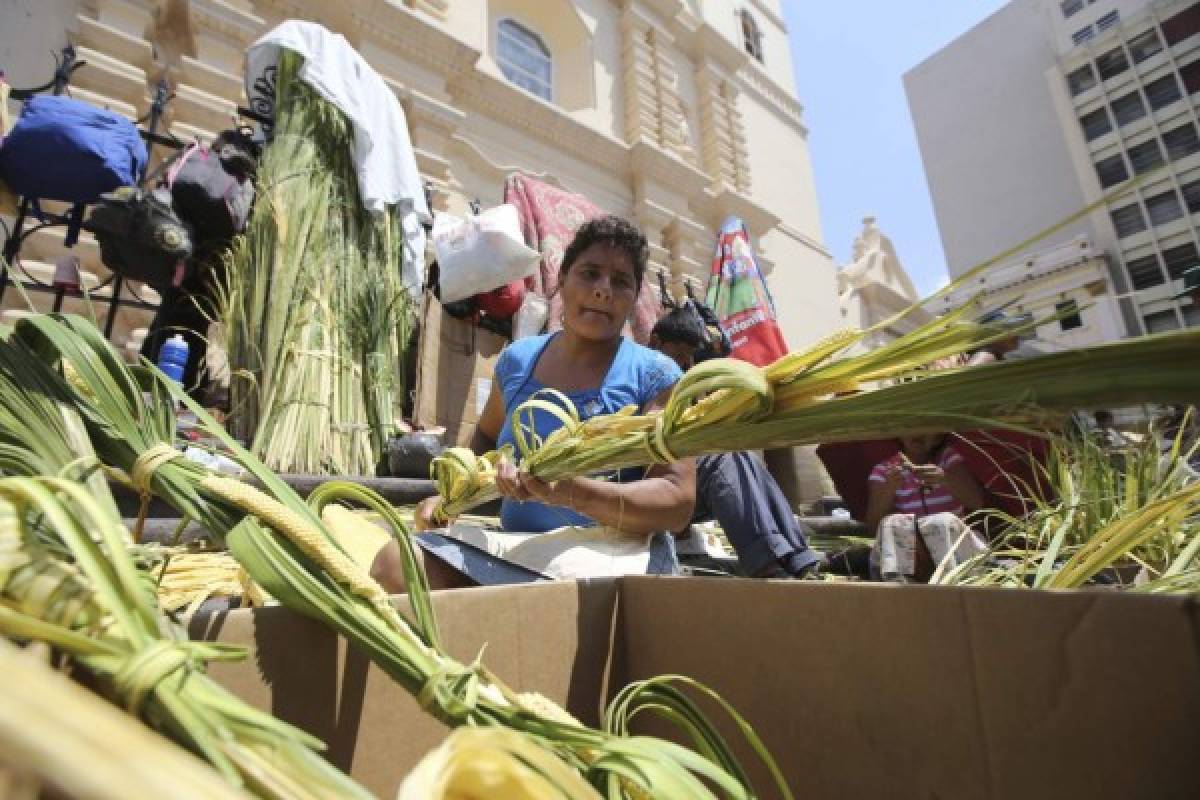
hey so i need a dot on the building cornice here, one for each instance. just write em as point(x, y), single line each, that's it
point(803, 238)
point(726, 202)
point(414, 34)
point(706, 40)
point(224, 18)
point(648, 160)
point(541, 120)
point(712, 50)
point(1085, 264)
point(770, 14)
point(755, 81)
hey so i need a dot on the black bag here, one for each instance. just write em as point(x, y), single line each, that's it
point(211, 191)
point(718, 344)
point(140, 236)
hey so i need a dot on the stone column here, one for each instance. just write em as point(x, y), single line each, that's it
point(653, 110)
point(722, 134)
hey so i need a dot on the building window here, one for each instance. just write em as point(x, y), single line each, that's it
point(1162, 92)
point(1095, 124)
point(1070, 7)
point(1178, 259)
point(1145, 45)
point(1191, 77)
point(1128, 220)
point(1191, 196)
point(1084, 78)
point(1164, 208)
point(1107, 21)
point(1181, 142)
point(1145, 156)
point(524, 58)
point(1128, 108)
point(1184, 24)
point(1144, 272)
point(1111, 171)
point(751, 36)
point(1191, 316)
point(1072, 320)
point(1112, 63)
point(1160, 321)
point(1084, 34)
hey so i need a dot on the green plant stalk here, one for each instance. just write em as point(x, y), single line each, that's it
point(1019, 395)
point(455, 693)
point(309, 394)
point(145, 663)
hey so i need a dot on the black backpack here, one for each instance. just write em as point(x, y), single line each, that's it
point(140, 236)
point(211, 189)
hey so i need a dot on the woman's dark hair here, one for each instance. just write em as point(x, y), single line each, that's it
point(681, 324)
point(611, 230)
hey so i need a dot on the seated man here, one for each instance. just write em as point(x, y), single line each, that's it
point(735, 488)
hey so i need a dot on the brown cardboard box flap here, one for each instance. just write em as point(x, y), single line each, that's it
point(553, 638)
point(859, 690)
point(454, 372)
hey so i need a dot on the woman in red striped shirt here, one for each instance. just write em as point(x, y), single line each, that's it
point(916, 504)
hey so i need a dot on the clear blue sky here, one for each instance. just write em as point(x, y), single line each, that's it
point(849, 59)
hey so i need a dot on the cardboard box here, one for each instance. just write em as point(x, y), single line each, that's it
point(860, 691)
point(454, 372)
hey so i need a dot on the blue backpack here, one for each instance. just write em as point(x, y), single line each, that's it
point(67, 150)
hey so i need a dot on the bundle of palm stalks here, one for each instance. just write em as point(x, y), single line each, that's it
point(814, 396)
point(1128, 516)
point(290, 548)
point(184, 578)
point(56, 736)
point(68, 580)
point(315, 316)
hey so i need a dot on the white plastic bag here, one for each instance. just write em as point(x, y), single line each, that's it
point(480, 253)
point(531, 316)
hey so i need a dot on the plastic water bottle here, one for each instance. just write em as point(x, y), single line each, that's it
point(173, 357)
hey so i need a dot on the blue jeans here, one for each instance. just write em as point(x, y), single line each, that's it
point(736, 490)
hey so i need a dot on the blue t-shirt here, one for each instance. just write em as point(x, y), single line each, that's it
point(636, 377)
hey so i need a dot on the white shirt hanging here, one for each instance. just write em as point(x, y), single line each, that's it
point(383, 156)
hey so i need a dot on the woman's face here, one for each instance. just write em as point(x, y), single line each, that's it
point(599, 292)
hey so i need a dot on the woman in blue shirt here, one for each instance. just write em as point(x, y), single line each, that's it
point(601, 372)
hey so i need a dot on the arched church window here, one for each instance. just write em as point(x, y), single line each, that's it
point(751, 35)
point(524, 58)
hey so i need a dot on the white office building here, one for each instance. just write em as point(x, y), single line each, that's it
point(1050, 106)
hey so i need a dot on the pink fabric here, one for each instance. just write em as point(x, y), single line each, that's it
point(549, 219)
point(909, 498)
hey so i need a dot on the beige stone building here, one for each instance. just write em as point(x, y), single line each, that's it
point(1038, 112)
point(674, 112)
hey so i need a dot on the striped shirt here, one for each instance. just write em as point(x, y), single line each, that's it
point(908, 498)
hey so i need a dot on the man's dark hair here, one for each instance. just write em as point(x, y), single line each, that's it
point(1103, 417)
point(612, 230)
point(681, 325)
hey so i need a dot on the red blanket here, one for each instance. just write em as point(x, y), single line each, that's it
point(549, 219)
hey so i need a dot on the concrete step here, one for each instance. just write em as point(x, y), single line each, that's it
point(114, 42)
point(112, 78)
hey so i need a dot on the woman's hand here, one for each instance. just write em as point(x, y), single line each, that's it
point(930, 474)
point(893, 478)
point(424, 514)
point(511, 482)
